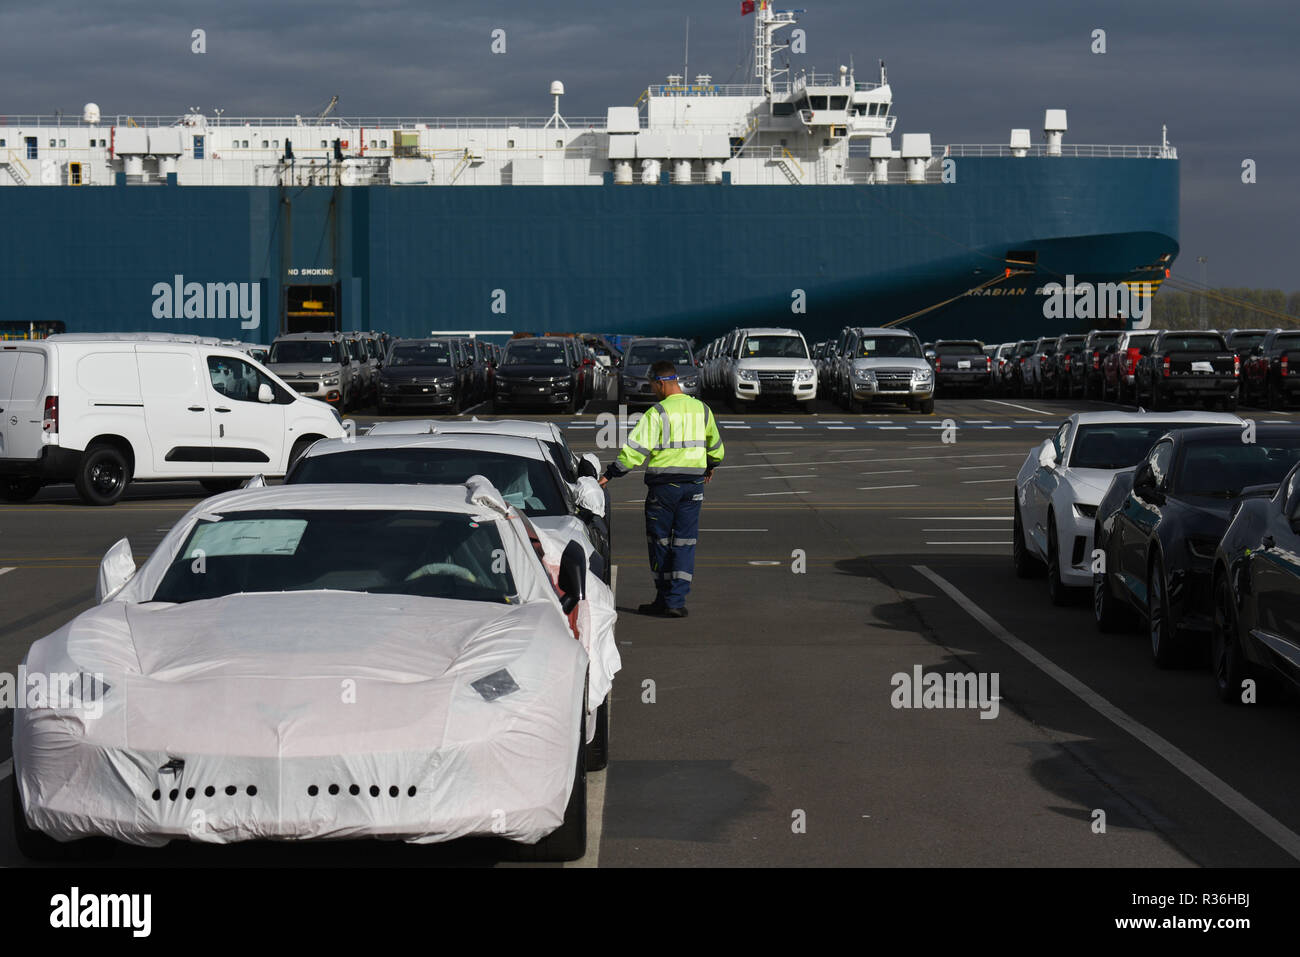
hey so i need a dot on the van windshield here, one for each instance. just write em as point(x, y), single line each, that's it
point(304, 350)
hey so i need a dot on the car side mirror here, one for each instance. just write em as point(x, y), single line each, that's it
point(1144, 484)
point(589, 466)
point(573, 576)
point(1047, 455)
point(115, 569)
point(265, 393)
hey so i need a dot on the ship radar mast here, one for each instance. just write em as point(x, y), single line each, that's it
point(766, 43)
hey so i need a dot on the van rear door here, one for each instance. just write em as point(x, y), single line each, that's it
point(177, 412)
point(22, 400)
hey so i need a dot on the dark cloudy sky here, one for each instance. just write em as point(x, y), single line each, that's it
point(1223, 76)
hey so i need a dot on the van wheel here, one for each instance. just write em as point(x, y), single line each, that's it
point(299, 447)
point(103, 475)
point(19, 489)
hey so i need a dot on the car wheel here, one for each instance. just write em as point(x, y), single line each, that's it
point(103, 475)
point(1227, 660)
point(598, 750)
point(1160, 626)
point(1109, 614)
point(927, 406)
point(19, 489)
point(568, 842)
point(1056, 589)
point(852, 405)
point(1027, 566)
point(217, 486)
point(34, 845)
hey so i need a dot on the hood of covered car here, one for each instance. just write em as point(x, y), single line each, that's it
point(301, 673)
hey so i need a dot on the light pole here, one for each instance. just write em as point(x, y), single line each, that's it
point(1204, 261)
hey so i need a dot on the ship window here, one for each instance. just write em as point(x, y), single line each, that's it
point(245, 144)
point(323, 145)
point(383, 144)
point(374, 143)
point(51, 142)
point(785, 143)
point(559, 144)
point(275, 143)
point(817, 102)
point(198, 147)
point(31, 147)
point(266, 144)
point(839, 102)
point(782, 109)
point(62, 143)
point(2, 142)
point(884, 108)
point(510, 144)
point(872, 109)
point(74, 174)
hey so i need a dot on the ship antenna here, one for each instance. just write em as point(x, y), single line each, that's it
point(766, 24)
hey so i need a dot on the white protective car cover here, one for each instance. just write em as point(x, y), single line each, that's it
point(596, 614)
point(269, 695)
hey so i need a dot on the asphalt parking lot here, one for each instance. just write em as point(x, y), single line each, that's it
point(836, 552)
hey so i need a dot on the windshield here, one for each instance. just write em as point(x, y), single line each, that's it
point(1193, 344)
point(527, 484)
point(889, 347)
point(432, 554)
point(959, 348)
point(1118, 446)
point(1288, 342)
point(304, 350)
point(1025, 349)
point(650, 353)
point(1223, 467)
point(354, 350)
point(1072, 343)
point(426, 354)
point(536, 353)
point(773, 347)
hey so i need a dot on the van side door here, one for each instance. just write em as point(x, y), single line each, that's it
point(247, 434)
point(177, 413)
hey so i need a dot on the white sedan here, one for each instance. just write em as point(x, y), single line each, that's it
point(1062, 482)
point(311, 662)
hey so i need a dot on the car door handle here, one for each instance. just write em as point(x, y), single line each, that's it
point(221, 408)
point(197, 408)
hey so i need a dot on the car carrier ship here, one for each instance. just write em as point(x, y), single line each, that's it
point(788, 200)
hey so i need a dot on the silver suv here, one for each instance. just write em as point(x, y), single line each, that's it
point(886, 365)
point(316, 364)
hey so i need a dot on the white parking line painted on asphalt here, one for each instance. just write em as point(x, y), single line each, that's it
point(878, 488)
point(758, 494)
point(769, 478)
point(832, 421)
point(1009, 478)
point(738, 426)
point(582, 425)
point(995, 427)
point(969, 468)
point(1002, 498)
point(789, 426)
point(1014, 406)
point(1003, 542)
point(1029, 421)
point(833, 428)
point(769, 453)
point(6, 571)
point(1213, 785)
point(1049, 428)
point(955, 518)
point(887, 428)
point(977, 421)
point(889, 472)
point(904, 458)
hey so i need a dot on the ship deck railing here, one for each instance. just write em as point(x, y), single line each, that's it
point(333, 122)
point(1067, 149)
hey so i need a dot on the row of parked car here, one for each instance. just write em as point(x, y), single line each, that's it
point(444, 568)
point(1185, 524)
point(760, 366)
point(1151, 367)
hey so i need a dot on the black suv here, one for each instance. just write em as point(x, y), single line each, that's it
point(538, 373)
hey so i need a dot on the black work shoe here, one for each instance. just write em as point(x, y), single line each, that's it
point(675, 612)
point(651, 608)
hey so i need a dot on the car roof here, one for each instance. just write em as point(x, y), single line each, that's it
point(882, 331)
point(1223, 433)
point(658, 339)
point(308, 335)
point(1117, 418)
point(770, 331)
point(517, 445)
point(546, 431)
point(437, 498)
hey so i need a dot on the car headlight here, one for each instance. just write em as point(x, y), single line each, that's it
point(691, 383)
point(805, 375)
point(864, 375)
point(922, 375)
point(385, 384)
point(746, 375)
point(330, 380)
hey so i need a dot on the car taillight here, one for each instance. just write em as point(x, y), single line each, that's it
point(1166, 367)
point(1067, 363)
point(1096, 360)
point(988, 362)
point(937, 363)
point(50, 421)
point(1236, 365)
point(1133, 356)
point(1285, 363)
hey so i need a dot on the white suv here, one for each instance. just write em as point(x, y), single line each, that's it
point(772, 365)
point(101, 410)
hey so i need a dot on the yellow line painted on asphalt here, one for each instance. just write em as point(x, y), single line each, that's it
point(1216, 787)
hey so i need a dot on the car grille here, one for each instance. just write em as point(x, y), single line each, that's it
point(310, 386)
point(779, 383)
point(891, 379)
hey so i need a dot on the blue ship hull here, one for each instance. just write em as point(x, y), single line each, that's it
point(683, 260)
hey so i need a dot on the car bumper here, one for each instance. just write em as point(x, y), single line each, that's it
point(511, 788)
point(1196, 387)
point(414, 399)
point(53, 464)
point(1074, 538)
point(775, 392)
point(314, 390)
point(865, 390)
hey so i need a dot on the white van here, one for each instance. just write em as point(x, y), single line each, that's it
point(102, 410)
